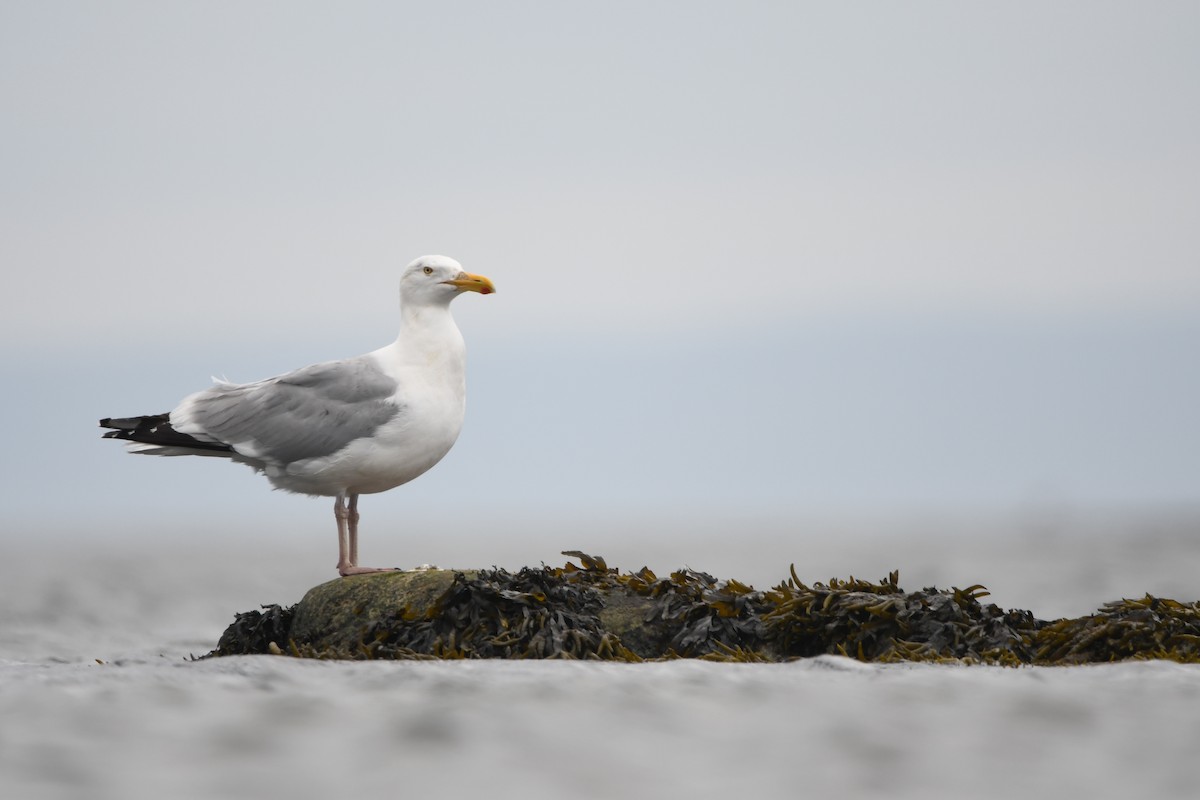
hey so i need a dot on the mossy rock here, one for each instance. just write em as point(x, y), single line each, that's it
point(594, 612)
point(335, 615)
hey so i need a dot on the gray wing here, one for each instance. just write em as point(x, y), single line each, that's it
point(310, 413)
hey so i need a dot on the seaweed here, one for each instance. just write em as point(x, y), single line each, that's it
point(255, 632)
point(592, 611)
point(532, 614)
point(881, 622)
point(1151, 627)
point(700, 615)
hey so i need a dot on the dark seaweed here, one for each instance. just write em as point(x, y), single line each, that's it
point(531, 614)
point(255, 631)
point(881, 622)
point(592, 611)
point(1152, 627)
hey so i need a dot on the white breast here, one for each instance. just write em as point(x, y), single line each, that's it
point(428, 363)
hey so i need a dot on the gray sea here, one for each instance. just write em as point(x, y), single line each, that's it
point(99, 697)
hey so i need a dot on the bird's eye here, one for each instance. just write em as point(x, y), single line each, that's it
point(429, 270)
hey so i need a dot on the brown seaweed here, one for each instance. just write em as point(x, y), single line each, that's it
point(1151, 627)
point(593, 611)
point(531, 614)
point(255, 631)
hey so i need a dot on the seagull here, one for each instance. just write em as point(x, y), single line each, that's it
point(340, 428)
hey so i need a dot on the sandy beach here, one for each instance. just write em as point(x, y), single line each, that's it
point(99, 697)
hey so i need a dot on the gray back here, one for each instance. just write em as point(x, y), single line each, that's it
point(309, 413)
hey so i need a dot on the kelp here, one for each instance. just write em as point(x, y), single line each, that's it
point(1146, 628)
point(593, 611)
point(530, 614)
point(882, 622)
point(255, 631)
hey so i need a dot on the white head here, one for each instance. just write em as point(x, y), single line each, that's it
point(436, 280)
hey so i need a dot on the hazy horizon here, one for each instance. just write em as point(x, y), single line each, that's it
point(779, 260)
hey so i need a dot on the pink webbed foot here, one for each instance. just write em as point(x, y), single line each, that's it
point(350, 569)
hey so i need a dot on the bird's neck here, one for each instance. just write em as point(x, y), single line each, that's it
point(428, 335)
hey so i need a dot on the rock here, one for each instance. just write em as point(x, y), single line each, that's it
point(336, 615)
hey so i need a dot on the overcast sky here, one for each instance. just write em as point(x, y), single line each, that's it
point(751, 257)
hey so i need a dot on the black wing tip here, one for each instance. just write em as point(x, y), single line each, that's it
point(156, 429)
point(133, 423)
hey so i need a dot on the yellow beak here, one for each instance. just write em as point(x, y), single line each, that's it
point(466, 282)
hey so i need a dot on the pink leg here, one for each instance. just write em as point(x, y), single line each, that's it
point(340, 514)
point(347, 522)
point(352, 519)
